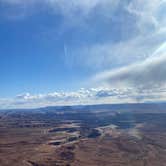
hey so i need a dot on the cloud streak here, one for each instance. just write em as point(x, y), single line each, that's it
point(147, 74)
point(142, 32)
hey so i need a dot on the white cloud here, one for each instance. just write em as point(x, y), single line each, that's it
point(147, 17)
point(110, 55)
point(147, 74)
point(72, 8)
point(98, 95)
point(150, 33)
point(82, 96)
point(147, 13)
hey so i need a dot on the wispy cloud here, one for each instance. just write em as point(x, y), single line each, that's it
point(148, 74)
point(69, 9)
point(142, 32)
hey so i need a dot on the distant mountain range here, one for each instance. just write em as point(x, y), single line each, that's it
point(135, 107)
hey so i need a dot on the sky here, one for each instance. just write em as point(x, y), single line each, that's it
point(60, 52)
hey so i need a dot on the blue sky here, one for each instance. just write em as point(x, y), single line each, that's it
point(58, 52)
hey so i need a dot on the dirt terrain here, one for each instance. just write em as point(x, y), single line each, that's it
point(89, 138)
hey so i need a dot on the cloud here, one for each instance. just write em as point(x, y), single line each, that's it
point(140, 31)
point(82, 96)
point(68, 9)
point(99, 95)
point(72, 5)
point(141, 28)
point(147, 74)
point(110, 55)
point(148, 13)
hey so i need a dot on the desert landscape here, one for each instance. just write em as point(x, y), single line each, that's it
point(100, 135)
